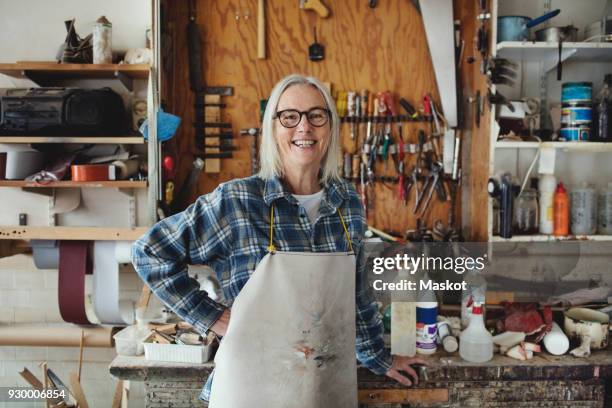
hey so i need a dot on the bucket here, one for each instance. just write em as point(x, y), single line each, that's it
point(573, 93)
point(575, 134)
point(516, 28)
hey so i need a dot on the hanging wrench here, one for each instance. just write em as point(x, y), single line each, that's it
point(434, 176)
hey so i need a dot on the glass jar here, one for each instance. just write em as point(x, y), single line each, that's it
point(526, 212)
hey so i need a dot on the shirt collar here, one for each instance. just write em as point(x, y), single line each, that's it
point(275, 189)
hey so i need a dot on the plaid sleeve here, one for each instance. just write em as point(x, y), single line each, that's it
point(371, 351)
point(197, 235)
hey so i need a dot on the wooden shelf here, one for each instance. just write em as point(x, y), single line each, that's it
point(73, 139)
point(573, 146)
point(71, 184)
point(72, 233)
point(548, 52)
point(52, 69)
point(551, 238)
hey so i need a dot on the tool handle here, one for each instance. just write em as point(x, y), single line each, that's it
point(388, 97)
point(261, 29)
point(385, 147)
point(362, 174)
point(350, 102)
point(401, 187)
point(364, 102)
point(543, 18)
point(317, 6)
point(408, 107)
point(426, 105)
point(421, 138)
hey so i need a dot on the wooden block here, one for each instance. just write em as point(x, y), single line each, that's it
point(77, 390)
point(143, 300)
point(212, 114)
point(184, 326)
point(164, 328)
point(161, 340)
point(403, 396)
point(118, 394)
point(31, 379)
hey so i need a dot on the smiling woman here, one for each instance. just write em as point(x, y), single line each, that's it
point(294, 233)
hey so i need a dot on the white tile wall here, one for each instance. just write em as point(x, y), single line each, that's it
point(28, 279)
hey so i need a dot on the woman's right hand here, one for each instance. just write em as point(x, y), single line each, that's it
point(220, 326)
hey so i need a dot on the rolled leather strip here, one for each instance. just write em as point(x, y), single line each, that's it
point(46, 253)
point(90, 172)
point(74, 264)
point(125, 168)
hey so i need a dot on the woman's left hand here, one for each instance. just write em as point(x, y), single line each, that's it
point(401, 363)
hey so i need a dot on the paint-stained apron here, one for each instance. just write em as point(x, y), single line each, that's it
point(290, 341)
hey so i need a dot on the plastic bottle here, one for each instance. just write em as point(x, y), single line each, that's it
point(102, 45)
point(560, 211)
point(546, 189)
point(526, 212)
point(604, 211)
point(556, 342)
point(476, 343)
point(475, 290)
point(583, 210)
point(602, 110)
point(403, 320)
point(606, 21)
point(427, 321)
point(448, 341)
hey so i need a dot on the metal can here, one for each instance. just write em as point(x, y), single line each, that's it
point(573, 93)
point(576, 116)
point(575, 134)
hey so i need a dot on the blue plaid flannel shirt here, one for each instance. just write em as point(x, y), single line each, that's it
point(228, 230)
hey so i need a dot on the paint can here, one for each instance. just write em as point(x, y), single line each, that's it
point(575, 134)
point(574, 93)
point(576, 116)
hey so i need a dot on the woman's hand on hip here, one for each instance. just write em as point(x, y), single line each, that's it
point(401, 363)
point(220, 326)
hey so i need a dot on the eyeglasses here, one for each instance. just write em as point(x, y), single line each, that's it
point(290, 118)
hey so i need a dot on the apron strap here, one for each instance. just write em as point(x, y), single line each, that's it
point(272, 247)
point(348, 237)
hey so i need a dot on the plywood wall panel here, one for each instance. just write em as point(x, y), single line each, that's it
point(376, 49)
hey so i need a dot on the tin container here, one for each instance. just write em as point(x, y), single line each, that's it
point(575, 134)
point(574, 93)
point(576, 116)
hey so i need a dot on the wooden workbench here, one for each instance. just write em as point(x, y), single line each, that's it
point(544, 381)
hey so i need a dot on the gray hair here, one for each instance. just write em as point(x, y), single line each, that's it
point(269, 157)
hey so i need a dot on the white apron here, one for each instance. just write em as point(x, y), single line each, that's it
point(291, 336)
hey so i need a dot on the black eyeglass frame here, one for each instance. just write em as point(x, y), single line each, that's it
point(302, 113)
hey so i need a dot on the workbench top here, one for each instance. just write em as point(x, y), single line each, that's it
point(443, 368)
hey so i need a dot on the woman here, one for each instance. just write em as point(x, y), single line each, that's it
point(284, 245)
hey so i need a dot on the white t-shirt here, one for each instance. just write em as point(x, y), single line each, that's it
point(311, 203)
